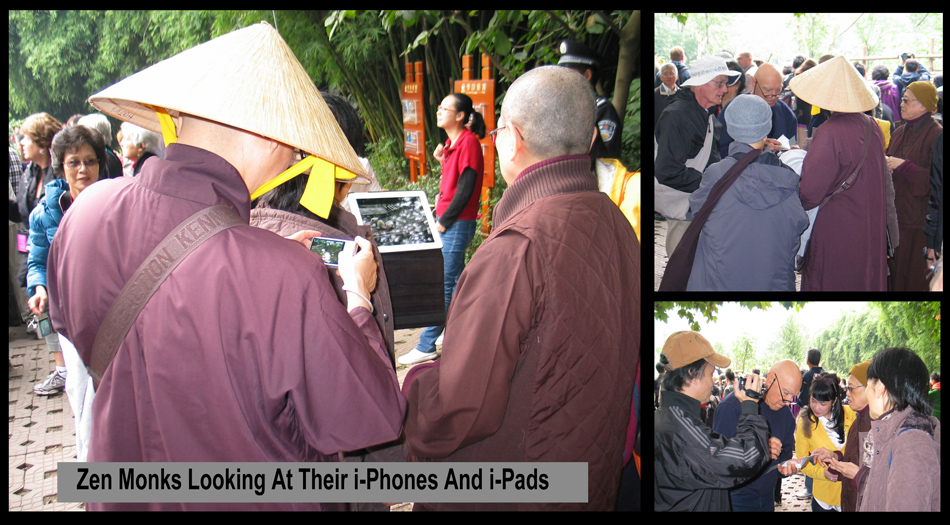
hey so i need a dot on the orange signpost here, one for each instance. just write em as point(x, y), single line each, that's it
point(413, 121)
point(482, 93)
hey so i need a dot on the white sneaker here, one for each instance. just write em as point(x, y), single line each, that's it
point(415, 356)
point(438, 342)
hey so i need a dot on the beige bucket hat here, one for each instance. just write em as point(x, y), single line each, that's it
point(248, 79)
point(834, 85)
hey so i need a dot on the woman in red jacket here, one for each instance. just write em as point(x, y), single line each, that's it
point(457, 205)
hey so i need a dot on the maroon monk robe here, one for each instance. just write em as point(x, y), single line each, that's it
point(913, 142)
point(244, 354)
point(848, 244)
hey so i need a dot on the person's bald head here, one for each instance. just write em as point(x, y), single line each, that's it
point(768, 81)
point(554, 108)
point(787, 379)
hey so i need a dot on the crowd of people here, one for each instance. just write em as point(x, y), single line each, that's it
point(868, 440)
point(747, 152)
point(247, 348)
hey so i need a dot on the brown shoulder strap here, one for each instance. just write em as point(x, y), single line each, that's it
point(847, 184)
point(182, 240)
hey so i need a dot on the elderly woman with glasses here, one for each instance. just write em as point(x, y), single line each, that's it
point(848, 466)
point(781, 385)
point(76, 154)
point(909, 157)
point(768, 86)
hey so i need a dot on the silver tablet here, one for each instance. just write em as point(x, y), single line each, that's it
point(401, 220)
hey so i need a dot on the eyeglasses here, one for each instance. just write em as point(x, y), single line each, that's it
point(440, 108)
point(906, 100)
point(849, 388)
point(76, 163)
point(494, 133)
point(780, 392)
point(768, 92)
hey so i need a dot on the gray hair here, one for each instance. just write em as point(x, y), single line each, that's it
point(100, 123)
point(553, 106)
point(139, 135)
point(668, 65)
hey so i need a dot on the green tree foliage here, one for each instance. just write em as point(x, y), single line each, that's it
point(708, 309)
point(856, 337)
point(59, 58)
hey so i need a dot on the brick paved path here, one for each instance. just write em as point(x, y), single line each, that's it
point(42, 429)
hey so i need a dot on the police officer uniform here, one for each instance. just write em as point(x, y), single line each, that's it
point(580, 57)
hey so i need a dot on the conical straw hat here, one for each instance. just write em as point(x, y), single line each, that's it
point(248, 79)
point(834, 85)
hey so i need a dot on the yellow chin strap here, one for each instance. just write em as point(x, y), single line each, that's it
point(168, 125)
point(318, 195)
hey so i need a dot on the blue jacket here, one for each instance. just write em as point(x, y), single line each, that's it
point(44, 221)
point(781, 426)
point(751, 237)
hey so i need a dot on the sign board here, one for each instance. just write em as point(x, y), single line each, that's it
point(413, 120)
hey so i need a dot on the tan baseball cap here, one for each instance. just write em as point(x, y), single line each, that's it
point(683, 348)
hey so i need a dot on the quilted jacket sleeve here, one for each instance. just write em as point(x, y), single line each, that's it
point(463, 400)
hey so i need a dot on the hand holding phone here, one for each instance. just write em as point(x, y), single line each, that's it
point(358, 269)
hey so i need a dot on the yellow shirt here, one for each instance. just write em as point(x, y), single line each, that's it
point(828, 492)
point(623, 187)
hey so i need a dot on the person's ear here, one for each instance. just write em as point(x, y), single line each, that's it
point(515, 142)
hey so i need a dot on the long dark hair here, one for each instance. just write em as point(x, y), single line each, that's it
point(905, 376)
point(826, 387)
point(463, 104)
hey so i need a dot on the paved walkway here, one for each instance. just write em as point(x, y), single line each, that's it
point(42, 428)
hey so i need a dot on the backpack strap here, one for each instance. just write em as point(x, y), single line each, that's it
point(182, 240)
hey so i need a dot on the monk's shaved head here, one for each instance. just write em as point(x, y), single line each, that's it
point(553, 106)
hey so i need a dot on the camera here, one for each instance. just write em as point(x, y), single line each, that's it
point(43, 325)
point(330, 249)
point(752, 394)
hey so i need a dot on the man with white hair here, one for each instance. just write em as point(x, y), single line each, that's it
point(542, 338)
point(686, 141)
point(243, 353)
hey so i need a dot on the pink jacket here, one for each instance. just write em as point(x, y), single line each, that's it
point(905, 464)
